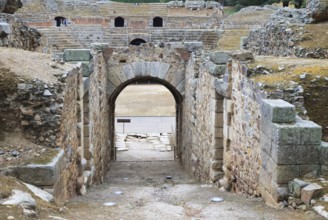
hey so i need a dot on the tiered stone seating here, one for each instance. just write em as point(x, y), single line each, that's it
point(60, 38)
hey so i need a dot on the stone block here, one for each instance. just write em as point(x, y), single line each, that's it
point(279, 192)
point(137, 67)
point(278, 111)
point(5, 29)
point(218, 120)
point(311, 132)
point(42, 174)
point(309, 192)
point(266, 143)
point(163, 69)
point(313, 169)
point(218, 154)
point(86, 130)
point(286, 134)
point(154, 69)
point(77, 55)
point(216, 105)
point(216, 70)
point(323, 153)
point(295, 186)
point(218, 133)
point(218, 143)
point(216, 164)
point(128, 70)
point(85, 69)
point(324, 170)
point(146, 68)
point(219, 57)
point(216, 175)
point(285, 173)
point(295, 154)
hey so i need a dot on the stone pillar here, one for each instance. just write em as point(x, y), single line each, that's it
point(290, 148)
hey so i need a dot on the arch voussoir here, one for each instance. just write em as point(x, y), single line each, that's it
point(163, 69)
point(154, 68)
point(146, 68)
point(137, 68)
point(128, 71)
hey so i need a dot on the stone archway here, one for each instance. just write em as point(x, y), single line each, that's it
point(158, 72)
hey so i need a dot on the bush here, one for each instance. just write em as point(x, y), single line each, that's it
point(237, 7)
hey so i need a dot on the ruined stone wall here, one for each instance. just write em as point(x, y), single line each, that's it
point(283, 34)
point(66, 187)
point(244, 131)
point(99, 117)
point(202, 122)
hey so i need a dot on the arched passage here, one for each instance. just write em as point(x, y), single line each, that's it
point(178, 108)
point(60, 20)
point(157, 22)
point(119, 22)
point(137, 42)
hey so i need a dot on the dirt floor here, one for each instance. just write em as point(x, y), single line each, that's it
point(141, 190)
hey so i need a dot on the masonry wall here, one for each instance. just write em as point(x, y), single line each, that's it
point(66, 187)
point(99, 118)
point(243, 131)
point(202, 122)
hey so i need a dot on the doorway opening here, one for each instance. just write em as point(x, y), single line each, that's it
point(158, 22)
point(137, 42)
point(60, 21)
point(145, 123)
point(119, 22)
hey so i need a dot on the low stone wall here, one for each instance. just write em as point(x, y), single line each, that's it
point(265, 146)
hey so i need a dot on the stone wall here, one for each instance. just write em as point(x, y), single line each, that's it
point(202, 122)
point(100, 145)
point(66, 186)
point(265, 146)
point(244, 131)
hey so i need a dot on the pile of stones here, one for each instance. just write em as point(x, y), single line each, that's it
point(285, 29)
point(304, 195)
point(160, 141)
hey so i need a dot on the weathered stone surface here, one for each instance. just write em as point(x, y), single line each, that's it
point(5, 29)
point(324, 153)
point(219, 57)
point(278, 111)
point(309, 192)
point(10, 6)
point(77, 55)
point(286, 134)
point(318, 9)
point(45, 196)
point(194, 4)
point(295, 154)
point(216, 70)
point(296, 186)
point(41, 175)
point(23, 199)
point(311, 132)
